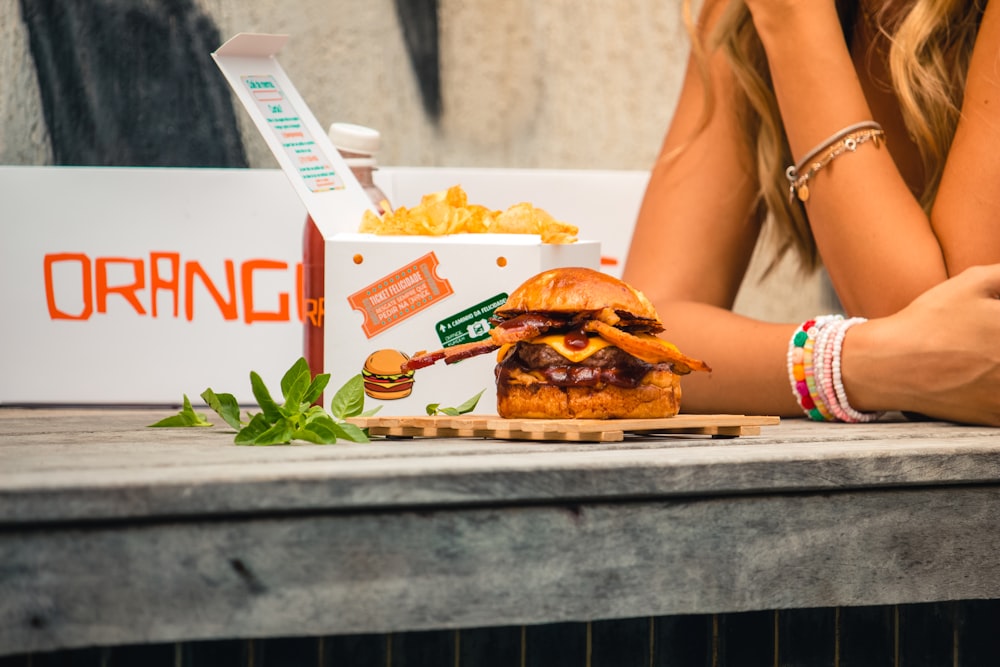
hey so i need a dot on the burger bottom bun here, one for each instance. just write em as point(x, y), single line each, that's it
point(658, 396)
point(401, 392)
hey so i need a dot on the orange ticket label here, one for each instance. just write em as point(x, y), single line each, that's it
point(400, 295)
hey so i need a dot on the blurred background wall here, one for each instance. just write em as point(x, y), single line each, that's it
point(557, 83)
point(581, 84)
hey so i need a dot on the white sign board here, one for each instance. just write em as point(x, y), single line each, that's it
point(138, 285)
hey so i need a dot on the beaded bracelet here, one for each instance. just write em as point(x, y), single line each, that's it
point(796, 367)
point(846, 140)
point(801, 368)
point(851, 415)
point(814, 353)
point(813, 350)
point(828, 390)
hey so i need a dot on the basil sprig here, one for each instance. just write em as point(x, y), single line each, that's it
point(295, 418)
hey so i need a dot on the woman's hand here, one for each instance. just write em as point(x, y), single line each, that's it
point(939, 356)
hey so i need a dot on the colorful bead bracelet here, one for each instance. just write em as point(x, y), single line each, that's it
point(814, 370)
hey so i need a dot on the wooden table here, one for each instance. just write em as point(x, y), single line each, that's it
point(116, 534)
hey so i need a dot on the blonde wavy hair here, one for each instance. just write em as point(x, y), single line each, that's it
point(929, 48)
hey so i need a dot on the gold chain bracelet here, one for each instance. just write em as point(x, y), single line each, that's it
point(845, 141)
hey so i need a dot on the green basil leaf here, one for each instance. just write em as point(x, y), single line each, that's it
point(315, 411)
point(181, 420)
point(311, 435)
point(248, 434)
point(292, 375)
point(186, 417)
point(295, 382)
point(470, 404)
point(321, 430)
point(225, 405)
point(351, 432)
point(349, 400)
point(172, 421)
point(279, 433)
point(263, 396)
point(369, 413)
point(316, 388)
point(467, 406)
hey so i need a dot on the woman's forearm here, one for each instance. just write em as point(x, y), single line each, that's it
point(748, 359)
point(938, 356)
point(966, 213)
point(868, 226)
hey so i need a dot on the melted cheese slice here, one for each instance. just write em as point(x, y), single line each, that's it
point(558, 343)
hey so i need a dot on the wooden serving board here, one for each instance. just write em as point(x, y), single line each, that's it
point(569, 430)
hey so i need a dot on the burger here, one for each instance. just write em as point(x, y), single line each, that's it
point(578, 343)
point(384, 376)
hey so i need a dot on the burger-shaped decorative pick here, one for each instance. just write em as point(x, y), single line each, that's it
point(578, 343)
point(384, 377)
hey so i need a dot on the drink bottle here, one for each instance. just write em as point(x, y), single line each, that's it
point(358, 145)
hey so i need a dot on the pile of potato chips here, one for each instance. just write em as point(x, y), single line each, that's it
point(449, 212)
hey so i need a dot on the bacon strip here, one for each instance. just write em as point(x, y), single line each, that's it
point(530, 325)
point(652, 350)
point(422, 360)
point(449, 354)
point(524, 327)
point(466, 350)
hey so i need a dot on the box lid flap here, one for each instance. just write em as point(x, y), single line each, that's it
point(317, 172)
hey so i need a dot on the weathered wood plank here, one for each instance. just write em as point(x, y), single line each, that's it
point(99, 512)
point(400, 571)
point(99, 465)
point(679, 641)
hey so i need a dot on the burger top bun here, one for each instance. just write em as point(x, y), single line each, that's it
point(385, 362)
point(576, 289)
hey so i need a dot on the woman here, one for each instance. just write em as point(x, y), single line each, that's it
point(865, 132)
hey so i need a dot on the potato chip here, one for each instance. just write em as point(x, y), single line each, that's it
point(449, 212)
point(480, 220)
point(370, 223)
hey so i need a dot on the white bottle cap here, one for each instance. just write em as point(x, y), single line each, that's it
point(350, 138)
